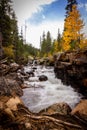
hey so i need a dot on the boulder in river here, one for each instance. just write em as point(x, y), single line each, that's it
point(43, 78)
point(31, 73)
point(58, 108)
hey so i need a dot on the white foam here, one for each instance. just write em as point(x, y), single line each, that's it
point(53, 91)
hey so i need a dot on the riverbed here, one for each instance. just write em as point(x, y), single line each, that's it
point(42, 94)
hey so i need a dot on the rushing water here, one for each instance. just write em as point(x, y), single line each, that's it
point(40, 95)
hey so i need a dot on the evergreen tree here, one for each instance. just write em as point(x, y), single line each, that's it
point(21, 36)
point(55, 46)
point(43, 45)
point(59, 41)
point(5, 21)
point(15, 36)
point(48, 42)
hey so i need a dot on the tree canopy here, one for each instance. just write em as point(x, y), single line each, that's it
point(73, 26)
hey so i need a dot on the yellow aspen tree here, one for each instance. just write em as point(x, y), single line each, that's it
point(72, 30)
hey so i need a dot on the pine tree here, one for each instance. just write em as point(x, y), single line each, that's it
point(48, 42)
point(21, 36)
point(55, 46)
point(59, 41)
point(5, 21)
point(43, 45)
point(15, 36)
point(14, 26)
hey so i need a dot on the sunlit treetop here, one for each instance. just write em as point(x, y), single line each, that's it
point(73, 25)
point(70, 6)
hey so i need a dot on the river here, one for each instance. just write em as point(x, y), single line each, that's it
point(41, 94)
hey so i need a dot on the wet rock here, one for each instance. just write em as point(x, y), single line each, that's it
point(58, 108)
point(43, 78)
point(4, 69)
point(34, 68)
point(71, 68)
point(31, 73)
point(14, 67)
point(81, 110)
point(23, 76)
point(9, 86)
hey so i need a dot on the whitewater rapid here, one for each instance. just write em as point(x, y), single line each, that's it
point(42, 94)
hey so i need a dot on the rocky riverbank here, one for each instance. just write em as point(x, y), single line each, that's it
point(14, 115)
point(71, 68)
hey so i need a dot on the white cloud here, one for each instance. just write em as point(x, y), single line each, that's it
point(82, 5)
point(86, 6)
point(25, 9)
point(33, 33)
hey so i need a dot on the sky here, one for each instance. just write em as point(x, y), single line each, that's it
point(43, 15)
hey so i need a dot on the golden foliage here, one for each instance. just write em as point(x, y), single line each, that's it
point(66, 46)
point(9, 52)
point(73, 25)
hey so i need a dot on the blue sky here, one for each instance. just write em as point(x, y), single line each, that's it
point(51, 12)
point(43, 15)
